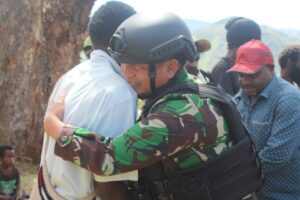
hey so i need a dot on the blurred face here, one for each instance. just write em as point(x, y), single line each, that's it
point(137, 75)
point(295, 72)
point(87, 51)
point(291, 71)
point(192, 68)
point(254, 84)
point(8, 158)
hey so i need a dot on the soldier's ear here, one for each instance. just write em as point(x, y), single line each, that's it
point(172, 67)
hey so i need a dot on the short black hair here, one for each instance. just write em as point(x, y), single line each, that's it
point(3, 148)
point(290, 52)
point(106, 20)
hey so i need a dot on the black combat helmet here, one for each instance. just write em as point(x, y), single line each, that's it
point(149, 37)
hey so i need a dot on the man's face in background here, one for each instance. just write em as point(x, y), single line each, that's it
point(295, 71)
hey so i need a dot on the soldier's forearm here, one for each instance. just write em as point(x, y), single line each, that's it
point(87, 152)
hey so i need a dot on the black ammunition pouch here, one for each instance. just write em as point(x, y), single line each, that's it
point(230, 176)
point(153, 184)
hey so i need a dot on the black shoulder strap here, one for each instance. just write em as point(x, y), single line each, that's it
point(230, 112)
point(217, 94)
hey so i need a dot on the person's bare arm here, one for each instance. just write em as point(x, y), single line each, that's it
point(53, 116)
point(18, 192)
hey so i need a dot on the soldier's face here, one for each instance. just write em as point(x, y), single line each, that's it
point(137, 75)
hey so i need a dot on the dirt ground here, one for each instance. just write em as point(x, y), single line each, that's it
point(28, 174)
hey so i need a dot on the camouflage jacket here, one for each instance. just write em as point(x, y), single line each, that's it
point(185, 128)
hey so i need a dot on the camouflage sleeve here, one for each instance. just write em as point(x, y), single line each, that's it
point(173, 125)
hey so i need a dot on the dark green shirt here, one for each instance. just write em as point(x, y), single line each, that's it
point(8, 184)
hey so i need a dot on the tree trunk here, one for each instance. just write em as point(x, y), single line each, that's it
point(39, 41)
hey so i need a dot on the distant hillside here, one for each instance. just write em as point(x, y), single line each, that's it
point(291, 32)
point(215, 33)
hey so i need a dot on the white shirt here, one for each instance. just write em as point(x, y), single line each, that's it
point(99, 99)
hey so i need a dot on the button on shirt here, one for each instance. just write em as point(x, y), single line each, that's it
point(99, 99)
point(273, 122)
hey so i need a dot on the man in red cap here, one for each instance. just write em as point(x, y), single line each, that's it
point(270, 110)
point(239, 30)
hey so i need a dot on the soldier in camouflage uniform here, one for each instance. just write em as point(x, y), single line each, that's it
point(178, 131)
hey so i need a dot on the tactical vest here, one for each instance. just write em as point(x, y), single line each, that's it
point(230, 176)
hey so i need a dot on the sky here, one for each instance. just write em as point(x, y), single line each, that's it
point(277, 13)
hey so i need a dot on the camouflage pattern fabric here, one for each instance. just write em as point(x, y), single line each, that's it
point(184, 128)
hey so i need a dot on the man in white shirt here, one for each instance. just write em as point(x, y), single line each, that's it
point(96, 90)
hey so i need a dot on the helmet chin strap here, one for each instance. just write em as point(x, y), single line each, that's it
point(152, 76)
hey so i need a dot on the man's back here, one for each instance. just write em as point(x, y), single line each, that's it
point(273, 122)
point(239, 30)
point(95, 89)
point(228, 81)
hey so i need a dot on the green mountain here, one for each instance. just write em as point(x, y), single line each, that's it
point(215, 33)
